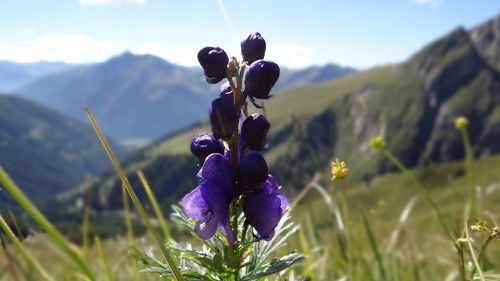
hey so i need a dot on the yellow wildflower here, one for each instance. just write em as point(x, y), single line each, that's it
point(339, 170)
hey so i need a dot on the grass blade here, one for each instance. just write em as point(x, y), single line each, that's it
point(156, 207)
point(373, 244)
point(20, 247)
point(104, 262)
point(140, 209)
point(73, 252)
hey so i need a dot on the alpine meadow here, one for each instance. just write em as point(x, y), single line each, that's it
point(142, 140)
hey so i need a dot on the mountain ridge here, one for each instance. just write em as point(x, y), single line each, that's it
point(130, 93)
point(411, 104)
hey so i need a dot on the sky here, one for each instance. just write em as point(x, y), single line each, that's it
point(299, 33)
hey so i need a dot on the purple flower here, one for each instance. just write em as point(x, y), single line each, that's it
point(214, 61)
point(209, 202)
point(252, 172)
point(263, 209)
point(253, 47)
point(223, 117)
point(204, 144)
point(225, 89)
point(260, 78)
point(254, 130)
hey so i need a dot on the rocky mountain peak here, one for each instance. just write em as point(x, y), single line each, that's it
point(486, 38)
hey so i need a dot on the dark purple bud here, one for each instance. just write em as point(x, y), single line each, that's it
point(254, 130)
point(253, 47)
point(225, 89)
point(223, 117)
point(260, 78)
point(214, 61)
point(203, 145)
point(252, 172)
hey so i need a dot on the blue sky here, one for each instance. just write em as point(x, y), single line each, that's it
point(359, 33)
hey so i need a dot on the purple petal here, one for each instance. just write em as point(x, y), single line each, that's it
point(284, 203)
point(206, 227)
point(270, 185)
point(226, 230)
point(218, 202)
point(263, 211)
point(194, 205)
point(217, 169)
point(254, 102)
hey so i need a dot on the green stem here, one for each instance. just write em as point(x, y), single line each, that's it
point(468, 168)
point(422, 189)
point(461, 260)
point(481, 254)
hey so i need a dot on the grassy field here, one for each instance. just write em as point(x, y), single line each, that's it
point(377, 230)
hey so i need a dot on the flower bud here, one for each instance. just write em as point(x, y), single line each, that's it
point(232, 67)
point(254, 130)
point(378, 142)
point(214, 61)
point(253, 47)
point(461, 123)
point(204, 144)
point(260, 78)
point(252, 172)
point(223, 117)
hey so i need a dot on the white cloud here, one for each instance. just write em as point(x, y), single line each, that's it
point(76, 48)
point(81, 48)
point(433, 3)
point(29, 31)
point(180, 54)
point(109, 2)
point(290, 55)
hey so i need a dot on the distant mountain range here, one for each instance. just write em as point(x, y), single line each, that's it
point(44, 151)
point(411, 104)
point(142, 97)
point(15, 75)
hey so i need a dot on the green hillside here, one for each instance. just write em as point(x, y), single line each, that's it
point(45, 151)
point(411, 104)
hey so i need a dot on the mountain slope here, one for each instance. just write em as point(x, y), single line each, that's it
point(44, 151)
point(310, 75)
point(486, 37)
point(411, 104)
point(132, 96)
point(15, 75)
point(143, 96)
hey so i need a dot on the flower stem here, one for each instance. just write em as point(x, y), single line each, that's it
point(468, 170)
point(422, 189)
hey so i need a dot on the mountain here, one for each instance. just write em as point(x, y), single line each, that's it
point(310, 75)
point(411, 104)
point(44, 151)
point(15, 75)
point(141, 97)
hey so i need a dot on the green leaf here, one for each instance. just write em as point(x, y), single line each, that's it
point(275, 266)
